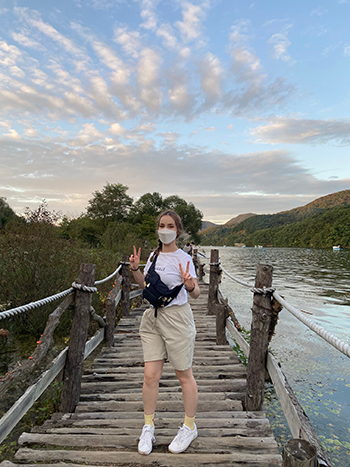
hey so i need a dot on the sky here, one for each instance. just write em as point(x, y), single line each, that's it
point(235, 106)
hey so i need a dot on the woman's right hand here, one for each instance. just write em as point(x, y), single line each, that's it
point(135, 259)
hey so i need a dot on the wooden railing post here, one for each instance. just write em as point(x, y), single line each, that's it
point(213, 282)
point(195, 260)
point(259, 340)
point(75, 357)
point(111, 312)
point(125, 286)
point(199, 267)
point(299, 453)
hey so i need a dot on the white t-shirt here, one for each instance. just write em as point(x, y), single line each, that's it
point(167, 266)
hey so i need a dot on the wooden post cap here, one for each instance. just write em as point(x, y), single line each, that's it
point(299, 453)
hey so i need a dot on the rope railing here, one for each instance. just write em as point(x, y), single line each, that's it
point(327, 336)
point(110, 276)
point(36, 304)
point(52, 298)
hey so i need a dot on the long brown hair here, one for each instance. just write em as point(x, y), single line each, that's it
point(179, 228)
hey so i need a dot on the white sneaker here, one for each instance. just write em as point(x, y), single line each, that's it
point(183, 439)
point(146, 440)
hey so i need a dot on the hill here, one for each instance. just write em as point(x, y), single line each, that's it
point(238, 219)
point(207, 224)
point(256, 229)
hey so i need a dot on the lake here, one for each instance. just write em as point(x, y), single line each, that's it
point(318, 282)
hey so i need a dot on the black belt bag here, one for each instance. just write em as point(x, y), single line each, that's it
point(156, 292)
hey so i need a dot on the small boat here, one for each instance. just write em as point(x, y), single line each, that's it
point(337, 248)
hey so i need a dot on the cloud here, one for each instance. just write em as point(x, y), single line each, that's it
point(149, 90)
point(240, 31)
point(280, 44)
point(301, 131)
point(211, 77)
point(148, 14)
point(190, 26)
point(89, 134)
point(128, 40)
point(319, 11)
point(9, 54)
point(165, 31)
point(212, 128)
point(116, 129)
point(26, 41)
point(33, 19)
point(169, 137)
point(88, 161)
point(12, 134)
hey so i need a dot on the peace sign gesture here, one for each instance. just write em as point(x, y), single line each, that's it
point(135, 259)
point(187, 279)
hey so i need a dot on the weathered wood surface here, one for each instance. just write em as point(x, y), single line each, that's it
point(104, 429)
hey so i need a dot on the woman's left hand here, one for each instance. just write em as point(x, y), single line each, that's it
point(187, 279)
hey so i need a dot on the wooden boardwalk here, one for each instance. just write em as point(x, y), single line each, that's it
point(105, 427)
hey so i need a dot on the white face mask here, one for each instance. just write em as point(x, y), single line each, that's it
point(166, 236)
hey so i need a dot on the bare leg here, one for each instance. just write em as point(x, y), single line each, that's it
point(153, 372)
point(189, 391)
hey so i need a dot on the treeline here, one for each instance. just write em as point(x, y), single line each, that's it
point(320, 224)
point(115, 222)
point(40, 252)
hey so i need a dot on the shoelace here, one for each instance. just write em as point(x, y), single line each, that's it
point(146, 434)
point(181, 433)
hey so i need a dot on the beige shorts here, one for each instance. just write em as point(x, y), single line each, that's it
point(171, 335)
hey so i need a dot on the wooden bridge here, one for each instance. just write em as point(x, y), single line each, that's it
point(107, 422)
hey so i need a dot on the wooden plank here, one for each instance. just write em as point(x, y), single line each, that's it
point(257, 431)
point(161, 422)
point(161, 415)
point(135, 293)
point(237, 336)
point(204, 444)
point(94, 342)
point(298, 422)
point(162, 406)
point(163, 396)
point(234, 459)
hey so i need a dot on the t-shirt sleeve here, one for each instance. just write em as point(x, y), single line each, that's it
point(148, 264)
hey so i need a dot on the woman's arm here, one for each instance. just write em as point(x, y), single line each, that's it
point(194, 292)
point(135, 268)
point(190, 283)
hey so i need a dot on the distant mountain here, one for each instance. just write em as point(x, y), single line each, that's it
point(207, 224)
point(266, 229)
point(236, 220)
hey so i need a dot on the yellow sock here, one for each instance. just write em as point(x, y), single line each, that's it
point(149, 419)
point(189, 422)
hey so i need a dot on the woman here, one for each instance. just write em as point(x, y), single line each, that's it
point(168, 330)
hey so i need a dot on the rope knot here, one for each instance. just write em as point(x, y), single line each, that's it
point(264, 291)
point(84, 288)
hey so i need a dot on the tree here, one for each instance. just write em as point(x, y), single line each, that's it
point(6, 213)
point(112, 204)
point(190, 215)
point(150, 204)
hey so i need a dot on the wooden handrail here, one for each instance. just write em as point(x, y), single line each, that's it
point(260, 359)
point(79, 347)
